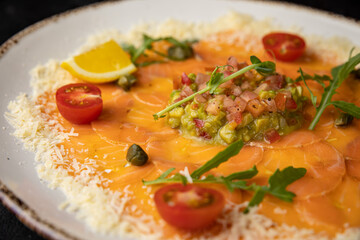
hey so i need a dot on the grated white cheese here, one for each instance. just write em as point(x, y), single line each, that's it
point(186, 174)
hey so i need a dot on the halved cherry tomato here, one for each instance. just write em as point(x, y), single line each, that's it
point(79, 103)
point(286, 47)
point(189, 207)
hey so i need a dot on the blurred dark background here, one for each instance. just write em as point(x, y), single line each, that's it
point(18, 14)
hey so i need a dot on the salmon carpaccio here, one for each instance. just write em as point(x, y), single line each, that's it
point(327, 198)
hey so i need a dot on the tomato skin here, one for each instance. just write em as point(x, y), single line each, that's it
point(79, 103)
point(181, 215)
point(272, 136)
point(185, 80)
point(280, 101)
point(290, 104)
point(285, 46)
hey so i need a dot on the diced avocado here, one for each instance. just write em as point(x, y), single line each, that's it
point(187, 122)
point(261, 124)
point(219, 91)
point(247, 118)
point(174, 95)
point(228, 133)
point(174, 122)
point(213, 123)
point(192, 76)
point(193, 87)
point(177, 112)
point(267, 94)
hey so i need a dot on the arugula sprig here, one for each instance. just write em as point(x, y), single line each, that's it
point(317, 78)
point(179, 51)
point(217, 78)
point(339, 74)
point(276, 186)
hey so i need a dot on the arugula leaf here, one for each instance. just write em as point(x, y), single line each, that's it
point(276, 185)
point(349, 108)
point(313, 98)
point(166, 173)
point(243, 175)
point(258, 196)
point(177, 52)
point(232, 150)
point(339, 74)
point(281, 179)
point(147, 42)
point(177, 177)
point(181, 177)
point(318, 78)
point(131, 49)
point(217, 79)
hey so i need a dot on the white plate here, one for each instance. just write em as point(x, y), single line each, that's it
point(60, 35)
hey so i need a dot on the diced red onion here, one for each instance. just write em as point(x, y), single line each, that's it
point(201, 78)
point(248, 96)
point(262, 87)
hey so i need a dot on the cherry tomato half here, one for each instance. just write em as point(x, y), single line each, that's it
point(189, 207)
point(79, 103)
point(286, 47)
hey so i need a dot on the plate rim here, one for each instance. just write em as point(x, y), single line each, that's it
point(18, 207)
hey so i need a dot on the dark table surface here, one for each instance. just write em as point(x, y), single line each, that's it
point(18, 14)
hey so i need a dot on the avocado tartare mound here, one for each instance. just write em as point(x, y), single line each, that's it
point(248, 107)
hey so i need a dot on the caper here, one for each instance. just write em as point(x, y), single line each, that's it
point(126, 82)
point(343, 120)
point(356, 73)
point(136, 155)
point(179, 53)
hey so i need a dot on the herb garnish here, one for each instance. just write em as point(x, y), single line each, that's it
point(217, 78)
point(339, 74)
point(179, 51)
point(276, 185)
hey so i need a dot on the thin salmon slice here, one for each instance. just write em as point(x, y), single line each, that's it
point(321, 213)
point(348, 136)
point(352, 150)
point(183, 150)
point(171, 70)
point(295, 139)
point(325, 171)
point(353, 168)
point(281, 212)
point(112, 126)
point(347, 198)
point(325, 167)
point(246, 159)
point(129, 174)
point(352, 155)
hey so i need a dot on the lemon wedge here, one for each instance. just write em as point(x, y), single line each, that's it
point(105, 63)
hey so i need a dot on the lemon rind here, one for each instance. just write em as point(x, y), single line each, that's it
point(81, 73)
